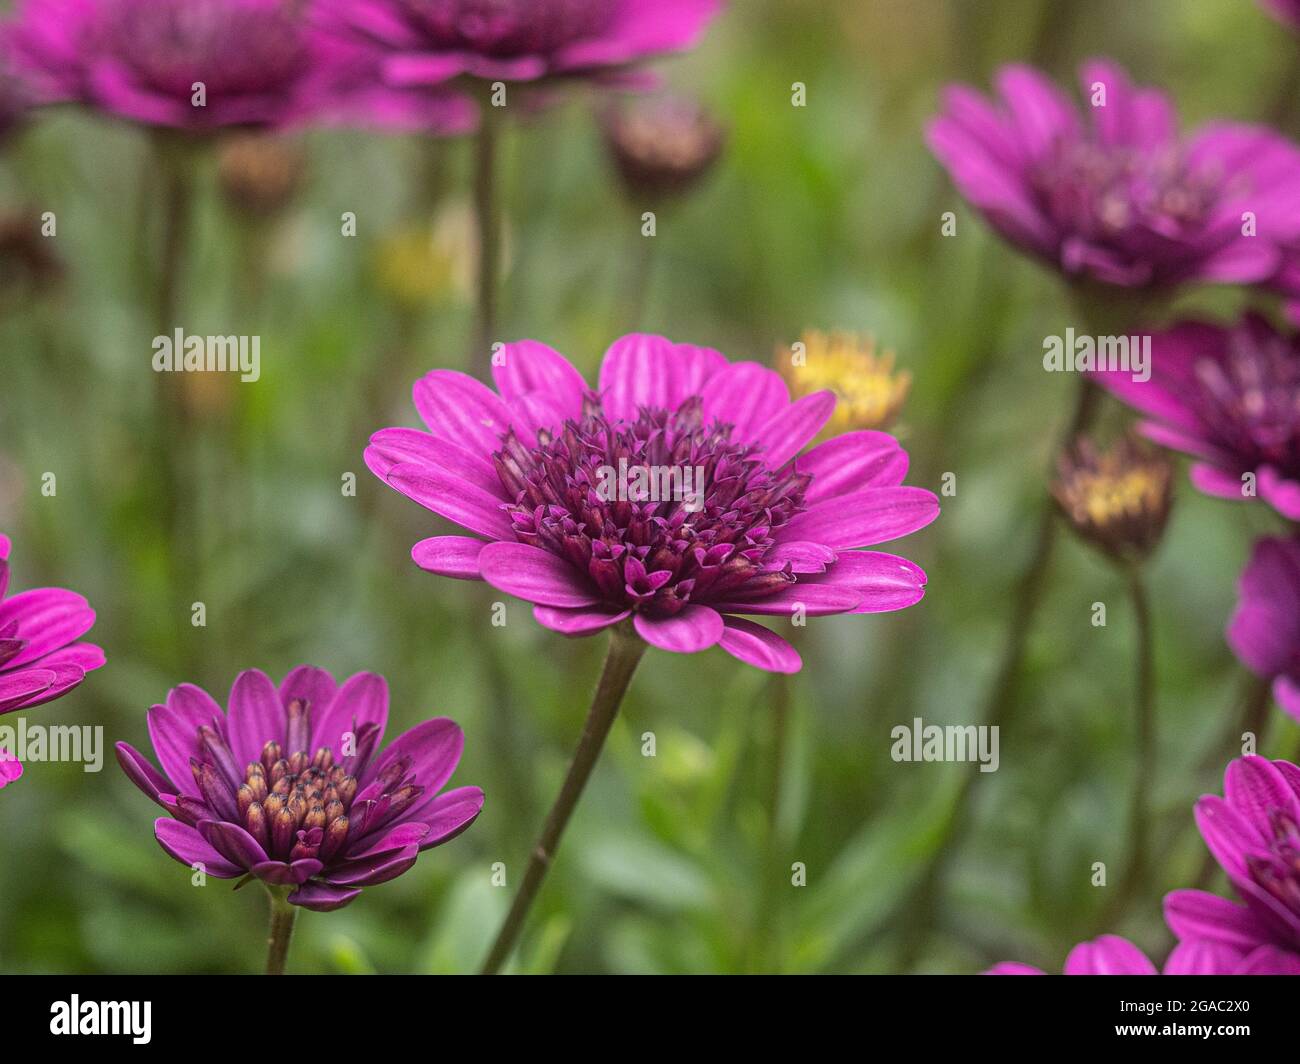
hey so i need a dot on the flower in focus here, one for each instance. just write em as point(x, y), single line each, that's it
point(1117, 499)
point(1120, 197)
point(869, 391)
point(290, 787)
point(1230, 398)
point(1286, 11)
point(1113, 955)
point(143, 59)
point(259, 175)
point(1264, 631)
point(10, 768)
point(674, 495)
point(40, 658)
point(431, 42)
point(1254, 833)
point(661, 145)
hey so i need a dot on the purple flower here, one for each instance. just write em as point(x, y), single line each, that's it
point(1112, 955)
point(1119, 197)
point(290, 786)
point(1264, 631)
point(430, 42)
point(1254, 833)
point(40, 658)
point(10, 768)
point(1287, 11)
point(1230, 398)
point(257, 60)
point(675, 495)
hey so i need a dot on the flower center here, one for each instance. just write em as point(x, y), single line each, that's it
point(656, 512)
point(506, 28)
point(299, 806)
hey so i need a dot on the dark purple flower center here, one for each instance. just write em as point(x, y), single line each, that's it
point(508, 28)
point(1278, 873)
point(301, 805)
point(1250, 402)
point(233, 48)
point(656, 512)
point(1099, 191)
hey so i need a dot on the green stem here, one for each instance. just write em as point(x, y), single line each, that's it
point(283, 916)
point(487, 215)
point(625, 651)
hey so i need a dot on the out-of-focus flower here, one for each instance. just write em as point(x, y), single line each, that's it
point(191, 64)
point(1287, 11)
point(1230, 398)
point(419, 263)
point(675, 495)
point(661, 145)
point(1264, 631)
point(434, 41)
point(1113, 955)
point(40, 658)
point(1117, 499)
point(10, 768)
point(1119, 197)
point(869, 391)
point(15, 100)
point(1254, 833)
point(290, 787)
point(28, 266)
point(259, 174)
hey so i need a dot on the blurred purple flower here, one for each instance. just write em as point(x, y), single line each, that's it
point(1113, 955)
point(259, 61)
point(1119, 197)
point(756, 530)
point(1264, 631)
point(290, 787)
point(40, 658)
point(10, 768)
point(1287, 11)
point(431, 42)
point(1230, 398)
point(1254, 833)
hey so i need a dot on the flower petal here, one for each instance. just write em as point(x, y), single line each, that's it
point(457, 500)
point(694, 629)
point(786, 434)
point(454, 556)
point(758, 646)
point(746, 396)
point(173, 730)
point(850, 462)
point(434, 747)
point(462, 410)
point(528, 366)
point(141, 772)
point(255, 716)
point(363, 699)
point(646, 370)
point(186, 845)
point(577, 622)
point(322, 897)
point(864, 518)
point(534, 575)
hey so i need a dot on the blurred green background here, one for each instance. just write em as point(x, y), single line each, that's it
point(825, 216)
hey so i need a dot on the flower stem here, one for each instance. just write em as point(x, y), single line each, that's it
point(625, 650)
point(487, 215)
point(277, 943)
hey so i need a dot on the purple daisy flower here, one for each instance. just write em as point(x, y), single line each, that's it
point(290, 787)
point(431, 42)
point(1113, 955)
point(1230, 398)
point(10, 768)
point(571, 492)
point(1120, 197)
point(1254, 833)
point(40, 658)
point(1264, 631)
point(140, 59)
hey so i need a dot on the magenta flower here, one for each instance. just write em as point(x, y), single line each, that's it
point(1264, 631)
point(141, 59)
point(431, 42)
point(557, 481)
point(40, 658)
point(1113, 955)
point(1286, 11)
point(289, 786)
point(1254, 833)
point(1119, 197)
point(10, 768)
point(1230, 398)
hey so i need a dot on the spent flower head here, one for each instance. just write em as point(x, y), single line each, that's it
point(259, 174)
point(661, 145)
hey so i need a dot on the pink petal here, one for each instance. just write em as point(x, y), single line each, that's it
point(577, 622)
point(454, 556)
point(457, 500)
point(1194, 914)
point(256, 716)
point(363, 699)
point(694, 629)
point(1108, 955)
point(848, 463)
point(786, 434)
point(534, 575)
point(461, 410)
point(746, 396)
point(758, 646)
point(528, 366)
point(813, 600)
point(864, 518)
point(321, 897)
point(186, 845)
point(645, 370)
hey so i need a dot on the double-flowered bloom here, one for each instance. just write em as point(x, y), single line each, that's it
point(1118, 196)
point(1229, 396)
point(1254, 833)
point(290, 786)
point(675, 495)
point(40, 656)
